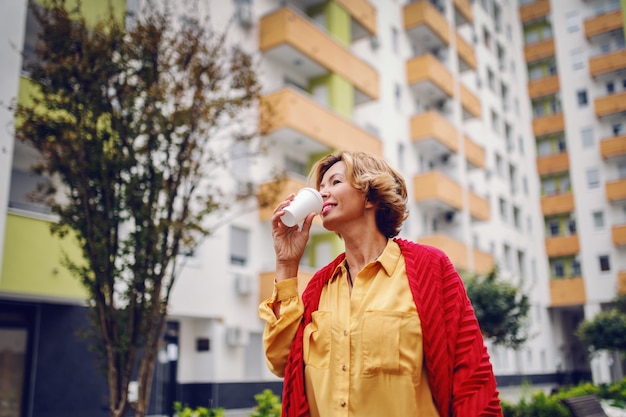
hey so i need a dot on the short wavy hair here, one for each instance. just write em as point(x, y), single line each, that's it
point(377, 180)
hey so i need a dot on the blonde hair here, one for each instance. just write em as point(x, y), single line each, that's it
point(377, 180)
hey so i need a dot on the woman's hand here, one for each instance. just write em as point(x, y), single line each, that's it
point(289, 242)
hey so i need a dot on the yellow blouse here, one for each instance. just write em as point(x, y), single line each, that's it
point(362, 352)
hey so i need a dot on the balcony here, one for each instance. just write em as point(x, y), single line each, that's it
point(546, 125)
point(543, 87)
point(463, 12)
point(558, 246)
point(478, 207)
point(534, 11)
point(618, 233)
point(266, 283)
point(428, 77)
point(557, 204)
point(607, 63)
point(603, 23)
point(299, 45)
point(621, 282)
point(610, 105)
point(552, 164)
point(470, 103)
point(567, 292)
point(435, 189)
point(363, 15)
point(540, 50)
point(616, 190)
point(423, 22)
point(474, 153)
point(30, 238)
point(295, 119)
point(433, 134)
point(613, 147)
point(458, 253)
point(467, 55)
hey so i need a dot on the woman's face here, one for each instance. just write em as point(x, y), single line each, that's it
point(344, 206)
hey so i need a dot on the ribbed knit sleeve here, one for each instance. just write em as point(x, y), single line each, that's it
point(456, 360)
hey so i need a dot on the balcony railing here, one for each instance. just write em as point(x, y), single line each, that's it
point(553, 164)
point(540, 50)
point(607, 63)
point(474, 153)
point(567, 292)
point(610, 105)
point(618, 233)
point(543, 87)
point(423, 18)
point(546, 125)
point(470, 103)
point(603, 23)
point(467, 55)
point(558, 246)
point(296, 42)
point(535, 10)
point(616, 190)
point(463, 10)
point(427, 75)
point(293, 111)
point(621, 282)
point(557, 204)
point(613, 147)
point(435, 188)
point(431, 129)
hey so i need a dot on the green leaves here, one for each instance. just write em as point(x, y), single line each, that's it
point(607, 330)
point(501, 309)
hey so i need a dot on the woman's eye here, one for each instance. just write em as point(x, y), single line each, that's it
point(336, 182)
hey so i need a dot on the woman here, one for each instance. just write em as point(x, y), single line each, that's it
point(384, 330)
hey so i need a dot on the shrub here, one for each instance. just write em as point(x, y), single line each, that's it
point(268, 404)
point(186, 411)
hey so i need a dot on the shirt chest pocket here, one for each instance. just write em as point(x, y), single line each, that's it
point(316, 340)
point(391, 343)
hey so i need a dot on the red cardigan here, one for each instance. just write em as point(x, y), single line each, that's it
point(457, 364)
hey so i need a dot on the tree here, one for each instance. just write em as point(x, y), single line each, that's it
point(134, 125)
point(607, 330)
point(501, 309)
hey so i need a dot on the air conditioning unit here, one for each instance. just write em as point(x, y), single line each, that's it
point(236, 336)
point(244, 284)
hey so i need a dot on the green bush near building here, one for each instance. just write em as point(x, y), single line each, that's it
point(542, 405)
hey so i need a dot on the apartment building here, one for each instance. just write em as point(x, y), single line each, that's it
point(462, 97)
point(576, 61)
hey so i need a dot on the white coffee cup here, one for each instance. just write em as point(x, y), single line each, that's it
point(307, 201)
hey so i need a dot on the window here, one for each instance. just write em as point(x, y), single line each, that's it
point(491, 80)
point(561, 144)
point(610, 87)
point(531, 37)
point(576, 272)
point(521, 263)
point(618, 129)
point(544, 148)
point(605, 264)
point(520, 145)
point(516, 217)
point(495, 121)
point(593, 178)
point(503, 209)
point(598, 219)
point(486, 38)
point(621, 170)
point(549, 186)
point(571, 226)
point(581, 96)
point(564, 185)
point(238, 246)
point(554, 227)
point(525, 184)
point(507, 257)
point(573, 21)
point(397, 96)
point(535, 73)
point(394, 39)
point(558, 269)
point(586, 134)
point(577, 59)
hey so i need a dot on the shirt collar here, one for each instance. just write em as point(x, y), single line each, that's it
point(388, 259)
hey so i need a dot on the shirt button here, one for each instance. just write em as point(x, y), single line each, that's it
point(345, 332)
point(342, 403)
point(344, 368)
